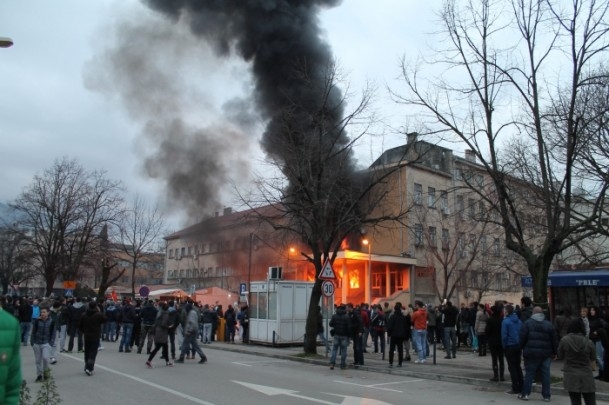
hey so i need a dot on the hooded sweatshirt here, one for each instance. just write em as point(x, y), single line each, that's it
point(510, 329)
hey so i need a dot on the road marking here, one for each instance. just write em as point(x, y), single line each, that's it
point(252, 363)
point(378, 386)
point(347, 400)
point(151, 384)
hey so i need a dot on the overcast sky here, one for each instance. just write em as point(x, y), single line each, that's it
point(49, 107)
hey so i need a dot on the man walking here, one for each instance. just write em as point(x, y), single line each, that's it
point(42, 338)
point(538, 339)
point(91, 326)
point(191, 329)
point(75, 312)
point(148, 316)
point(510, 340)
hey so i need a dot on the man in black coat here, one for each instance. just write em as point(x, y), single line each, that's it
point(341, 330)
point(91, 327)
point(398, 329)
point(450, 314)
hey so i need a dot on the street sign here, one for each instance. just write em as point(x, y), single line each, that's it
point(69, 285)
point(327, 272)
point(68, 292)
point(144, 291)
point(327, 288)
point(242, 288)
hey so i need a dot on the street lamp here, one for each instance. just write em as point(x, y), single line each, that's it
point(5, 42)
point(368, 296)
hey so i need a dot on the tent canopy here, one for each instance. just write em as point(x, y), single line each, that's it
point(171, 292)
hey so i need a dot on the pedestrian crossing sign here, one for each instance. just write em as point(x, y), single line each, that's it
point(327, 272)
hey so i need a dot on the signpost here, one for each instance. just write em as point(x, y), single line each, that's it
point(327, 288)
point(144, 291)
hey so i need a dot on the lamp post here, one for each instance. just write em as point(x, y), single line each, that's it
point(368, 294)
point(5, 42)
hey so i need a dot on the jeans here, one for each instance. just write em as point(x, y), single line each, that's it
point(322, 337)
point(531, 366)
point(472, 335)
point(63, 332)
point(450, 341)
point(146, 331)
point(42, 354)
point(599, 355)
point(512, 356)
point(376, 336)
point(340, 343)
point(126, 339)
point(190, 344)
point(358, 350)
point(420, 341)
point(25, 332)
point(75, 332)
point(110, 331)
point(207, 332)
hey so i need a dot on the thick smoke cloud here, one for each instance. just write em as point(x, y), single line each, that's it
point(290, 61)
point(158, 71)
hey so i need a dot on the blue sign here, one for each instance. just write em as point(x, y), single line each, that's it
point(144, 291)
point(526, 282)
point(68, 292)
point(589, 278)
point(242, 288)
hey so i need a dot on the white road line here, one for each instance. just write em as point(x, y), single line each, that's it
point(151, 384)
point(242, 364)
point(377, 386)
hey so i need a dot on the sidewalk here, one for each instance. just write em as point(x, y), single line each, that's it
point(466, 368)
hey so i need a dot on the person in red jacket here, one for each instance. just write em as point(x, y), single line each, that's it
point(419, 323)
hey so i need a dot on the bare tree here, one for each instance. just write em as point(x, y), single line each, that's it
point(61, 213)
point(319, 197)
point(140, 228)
point(15, 258)
point(500, 93)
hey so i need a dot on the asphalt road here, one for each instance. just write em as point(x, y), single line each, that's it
point(237, 378)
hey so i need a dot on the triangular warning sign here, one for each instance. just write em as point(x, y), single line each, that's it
point(327, 272)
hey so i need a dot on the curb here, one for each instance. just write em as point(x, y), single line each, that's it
point(557, 388)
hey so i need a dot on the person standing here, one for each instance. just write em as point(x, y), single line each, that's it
point(419, 323)
point(231, 321)
point(365, 315)
point(320, 329)
point(91, 326)
point(357, 331)
point(510, 340)
point(597, 336)
point(538, 340)
point(244, 324)
point(148, 317)
point(191, 329)
point(493, 335)
point(480, 327)
point(206, 320)
point(161, 336)
point(578, 354)
point(174, 322)
point(450, 314)
point(341, 329)
point(25, 319)
point(10, 366)
point(127, 319)
point(75, 312)
point(378, 324)
point(398, 328)
point(42, 339)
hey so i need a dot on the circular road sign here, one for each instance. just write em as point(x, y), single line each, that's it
point(327, 288)
point(144, 291)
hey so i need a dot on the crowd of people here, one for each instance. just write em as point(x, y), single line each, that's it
point(65, 324)
point(519, 335)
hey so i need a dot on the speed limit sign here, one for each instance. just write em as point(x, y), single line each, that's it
point(327, 288)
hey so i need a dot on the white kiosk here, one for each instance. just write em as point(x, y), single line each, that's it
point(278, 311)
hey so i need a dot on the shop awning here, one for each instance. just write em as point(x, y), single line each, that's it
point(588, 278)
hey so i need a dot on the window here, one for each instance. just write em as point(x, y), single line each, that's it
point(170, 251)
point(431, 197)
point(496, 247)
point(443, 200)
point(418, 194)
point(458, 173)
point(432, 236)
point(460, 205)
point(203, 247)
point(471, 203)
point(418, 235)
point(482, 247)
point(481, 210)
point(190, 250)
point(480, 180)
point(445, 239)
point(183, 252)
point(462, 251)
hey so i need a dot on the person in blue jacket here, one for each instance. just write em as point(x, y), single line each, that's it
point(510, 340)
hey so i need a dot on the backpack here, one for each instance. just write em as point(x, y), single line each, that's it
point(378, 322)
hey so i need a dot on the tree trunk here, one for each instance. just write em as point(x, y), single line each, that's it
point(310, 344)
point(539, 272)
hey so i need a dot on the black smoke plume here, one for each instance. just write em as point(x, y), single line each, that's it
point(290, 62)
